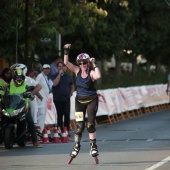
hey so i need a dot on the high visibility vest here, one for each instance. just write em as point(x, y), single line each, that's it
point(18, 89)
point(3, 84)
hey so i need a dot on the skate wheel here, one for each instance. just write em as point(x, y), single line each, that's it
point(96, 160)
point(70, 160)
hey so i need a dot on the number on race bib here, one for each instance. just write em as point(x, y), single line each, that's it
point(79, 116)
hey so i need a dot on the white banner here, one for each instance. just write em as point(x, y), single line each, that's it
point(51, 115)
point(113, 101)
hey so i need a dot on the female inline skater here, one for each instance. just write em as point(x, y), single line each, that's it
point(86, 100)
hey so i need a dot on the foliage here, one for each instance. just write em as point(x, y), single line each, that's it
point(110, 81)
point(97, 27)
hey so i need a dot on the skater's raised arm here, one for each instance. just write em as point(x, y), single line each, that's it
point(70, 65)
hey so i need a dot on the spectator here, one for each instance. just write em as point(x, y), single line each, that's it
point(33, 74)
point(53, 67)
point(168, 85)
point(6, 75)
point(86, 99)
point(33, 104)
point(3, 85)
point(61, 93)
point(46, 83)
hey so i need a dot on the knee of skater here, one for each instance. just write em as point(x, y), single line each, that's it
point(91, 127)
point(80, 126)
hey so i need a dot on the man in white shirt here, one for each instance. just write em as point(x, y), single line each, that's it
point(46, 84)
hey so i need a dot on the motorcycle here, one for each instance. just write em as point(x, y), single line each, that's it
point(13, 118)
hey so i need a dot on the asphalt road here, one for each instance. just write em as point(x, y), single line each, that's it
point(139, 143)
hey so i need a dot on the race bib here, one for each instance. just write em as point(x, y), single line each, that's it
point(79, 116)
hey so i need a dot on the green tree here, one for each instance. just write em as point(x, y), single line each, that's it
point(97, 27)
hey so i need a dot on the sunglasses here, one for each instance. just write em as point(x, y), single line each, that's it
point(83, 63)
point(19, 77)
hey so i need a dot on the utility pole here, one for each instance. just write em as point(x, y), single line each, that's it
point(16, 44)
point(58, 43)
point(26, 32)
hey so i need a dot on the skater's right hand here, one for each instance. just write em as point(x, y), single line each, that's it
point(66, 49)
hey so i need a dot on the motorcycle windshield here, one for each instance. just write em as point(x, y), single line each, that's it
point(12, 100)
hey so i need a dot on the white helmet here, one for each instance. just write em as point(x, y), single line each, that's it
point(83, 56)
point(21, 67)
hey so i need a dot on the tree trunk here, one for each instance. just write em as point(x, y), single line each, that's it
point(118, 67)
point(158, 66)
point(148, 68)
point(134, 67)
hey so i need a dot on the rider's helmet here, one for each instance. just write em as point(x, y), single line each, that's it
point(18, 77)
point(21, 67)
point(83, 57)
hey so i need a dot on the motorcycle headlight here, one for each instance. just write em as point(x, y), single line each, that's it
point(13, 113)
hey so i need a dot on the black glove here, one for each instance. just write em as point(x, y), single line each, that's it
point(29, 95)
point(93, 63)
point(66, 50)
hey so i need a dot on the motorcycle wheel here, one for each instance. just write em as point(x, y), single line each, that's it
point(8, 137)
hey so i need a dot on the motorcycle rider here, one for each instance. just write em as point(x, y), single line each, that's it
point(30, 82)
point(17, 87)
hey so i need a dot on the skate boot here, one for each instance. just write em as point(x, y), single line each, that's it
point(75, 150)
point(94, 150)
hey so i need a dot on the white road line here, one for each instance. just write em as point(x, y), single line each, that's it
point(159, 163)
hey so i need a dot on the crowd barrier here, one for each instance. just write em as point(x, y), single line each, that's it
point(124, 102)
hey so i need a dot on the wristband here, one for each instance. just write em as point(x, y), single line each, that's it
point(66, 51)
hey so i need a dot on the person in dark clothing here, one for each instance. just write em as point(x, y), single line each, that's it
point(54, 68)
point(61, 93)
point(86, 100)
point(168, 85)
point(6, 75)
